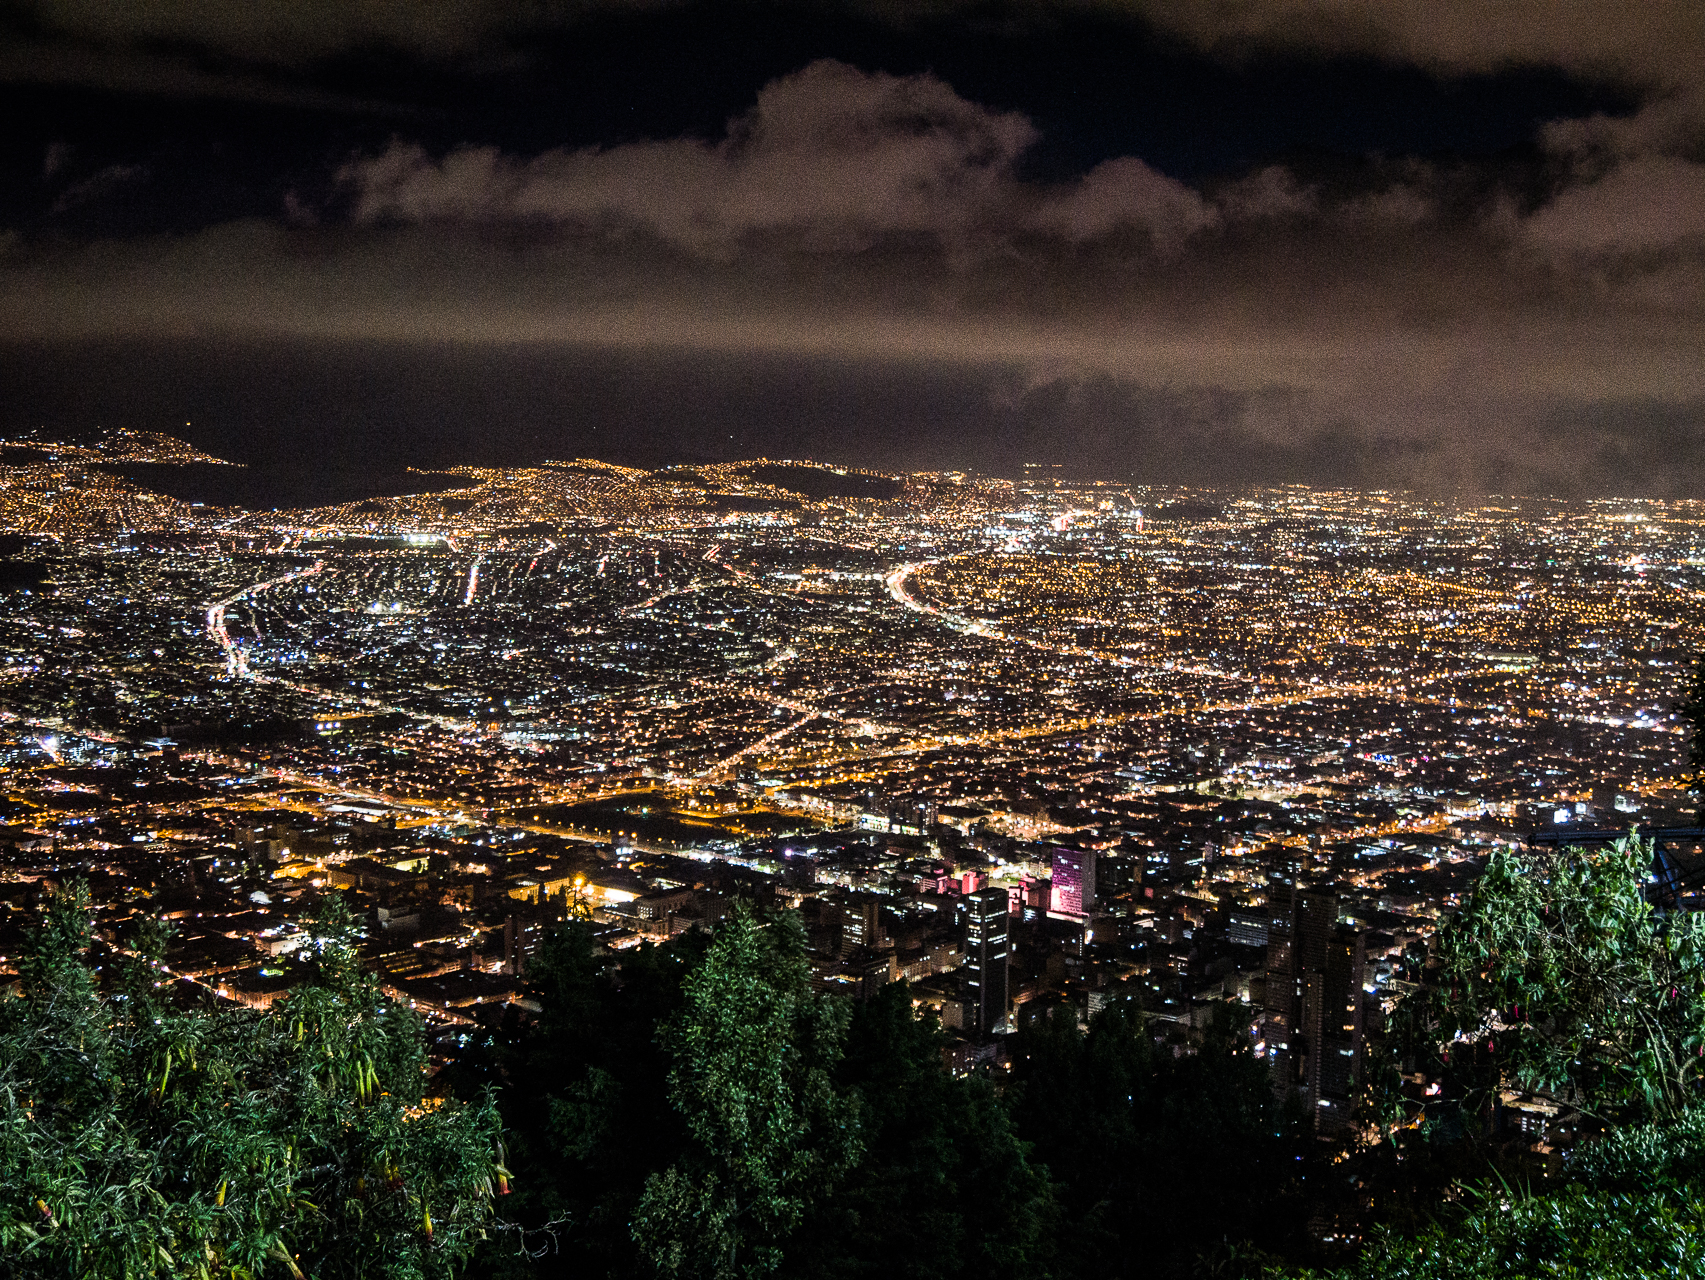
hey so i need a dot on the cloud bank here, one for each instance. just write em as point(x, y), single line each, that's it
point(1432, 320)
point(1654, 41)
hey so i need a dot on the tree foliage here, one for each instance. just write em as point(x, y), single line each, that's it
point(583, 1084)
point(1575, 1232)
point(1182, 1159)
point(1558, 976)
point(754, 1052)
point(142, 1134)
point(1633, 1206)
point(945, 1188)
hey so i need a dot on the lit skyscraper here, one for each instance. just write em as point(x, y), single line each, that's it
point(861, 924)
point(984, 915)
point(1074, 882)
point(1313, 1019)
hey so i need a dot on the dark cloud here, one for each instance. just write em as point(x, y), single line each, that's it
point(1659, 42)
point(833, 156)
point(153, 73)
point(1672, 121)
point(883, 217)
point(1656, 41)
point(98, 185)
point(1645, 204)
point(1425, 322)
point(57, 157)
point(288, 30)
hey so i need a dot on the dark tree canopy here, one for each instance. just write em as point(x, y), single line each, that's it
point(754, 1051)
point(1559, 976)
point(1165, 1162)
point(147, 1135)
point(698, 1108)
point(945, 1188)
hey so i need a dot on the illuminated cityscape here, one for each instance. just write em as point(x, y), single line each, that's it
point(1146, 715)
point(852, 640)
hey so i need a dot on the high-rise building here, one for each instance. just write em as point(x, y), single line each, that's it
point(1315, 912)
point(1074, 882)
point(1312, 1015)
point(1248, 928)
point(861, 923)
point(984, 917)
point(1331, 1025)
point(1116, 875)
point(1279, 1004)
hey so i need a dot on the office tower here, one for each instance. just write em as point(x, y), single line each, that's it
point(1331, 1024)
point(1248, 928)
point(1279, 1004)
point(1312, 1015)
point(861, 923)
point(1115, 874)
point(1074, 882)
point(1315, 913)
point(984, 918)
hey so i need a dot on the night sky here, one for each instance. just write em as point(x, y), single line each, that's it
point(1423, 243)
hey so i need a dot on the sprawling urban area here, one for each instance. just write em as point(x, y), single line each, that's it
point(1028, 743)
